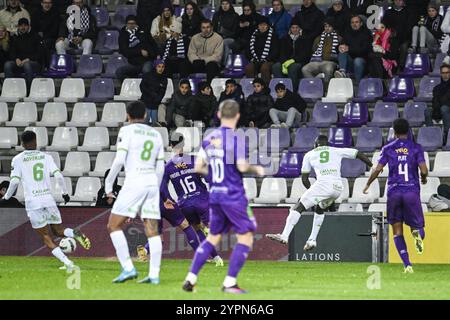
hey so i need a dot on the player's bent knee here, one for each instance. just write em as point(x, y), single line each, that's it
point(214, 239)
point(246, 238)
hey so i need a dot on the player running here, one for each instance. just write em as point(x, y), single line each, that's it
point(326, 162)
point(404, 158)
point(33, 168)
point(140, 150)
point(228, 204)
point(192, 209)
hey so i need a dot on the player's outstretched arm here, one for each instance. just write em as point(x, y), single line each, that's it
point(305, 180)
point(375, 173)
point(361, 156)
point(13, 184)
point(423, 172)
point(244, 167)
point(62, 184)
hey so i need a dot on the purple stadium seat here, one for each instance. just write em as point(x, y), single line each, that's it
point(247, 86)
point(294, 9)
point(178, 11)
point(416, 65)
point(400, 90)
point(340, 137)
point(90, 66)
point(426, 88)
point(101, 90)
point(265, 11)
point(355, 115)
point(352, 168)
point(101, 15)
point(447, 145)
point(437, 64)
point(115, 61)
point(384, 114)
point(390, 136)
point(208, 12)
point(194, 84)
point(414, 112)
point(290, 165)
point(369, 139)
point(273, 82)
point(369, 90)
point(311, 89)
point(61, 66)
point(304, 139)
point(277, 139)
point(235, 66)
point(107, 41)
point(430, 138)
point(323, 115)
point(122, 11)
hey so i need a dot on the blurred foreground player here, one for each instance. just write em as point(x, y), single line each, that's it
point(326, 162)
point(229, 209)
point(404, 158)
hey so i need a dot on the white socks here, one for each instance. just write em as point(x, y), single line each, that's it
point(317, 223)
point(68, 233)
point(291, 221)
point(229, 282)
point(192, 278)
point(155, 247)
point(57, 252)
point(123, 254)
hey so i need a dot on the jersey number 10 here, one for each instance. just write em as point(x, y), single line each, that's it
point(218, 170)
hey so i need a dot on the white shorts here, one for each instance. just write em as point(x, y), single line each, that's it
point(39, 218)
point(138, 201)
point(322, 193)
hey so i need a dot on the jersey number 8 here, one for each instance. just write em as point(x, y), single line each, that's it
point(147, 152)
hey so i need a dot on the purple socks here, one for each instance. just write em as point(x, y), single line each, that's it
point(422, 233)
point(191, 236)
point(237, 259)
point(402, 250)
point(202, 238)
point(201, 255)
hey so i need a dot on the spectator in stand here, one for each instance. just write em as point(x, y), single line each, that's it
point(205, 51)
point(226, 23)
point(248, 22)
point(146, 11)
point(262, 51)
point(233, 91)
point(310, 20)
point(138, 47)
point(102, 198)
point(416, 10)
point(440, 108)
point(397, 18)
point(174, 53)
point(153, 87)
point(325, 53)
point(191, 19)
point(10, 16)
point(288, 108)
point(4, 46)
point(178, 109)
point(45, 21)
point(11, 202)
point(293, 56)
point(256, 111)
point(83, 38)
point(383, 60)
point(354, 50)
point(203, 105)
point(340, 14)
point(428, 33)
point(161, 25)
point(358, 7)
point(25, 52)
point(445, 28)
point(280, 19)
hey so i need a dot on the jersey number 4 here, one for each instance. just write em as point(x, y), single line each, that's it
point(403, 170)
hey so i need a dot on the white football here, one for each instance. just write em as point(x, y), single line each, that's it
point(68, 245)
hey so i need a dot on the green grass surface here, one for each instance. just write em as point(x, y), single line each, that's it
point(39, 278)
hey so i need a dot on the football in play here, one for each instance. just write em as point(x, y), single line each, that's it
point(68, 245)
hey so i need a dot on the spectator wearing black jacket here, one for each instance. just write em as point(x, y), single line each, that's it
point(11, 202)
point(175, 51)
point(354, 50)
point(256, 111)
point(146, 11)
point(288, 108)
point(358, 7)
point(248, 22)
point(71, 37)
point(25, 52)
point(428, 33)
point(102, 199)
point(310, 20)
point(341, 15)
point(138, 47)
point(191, 19)
point(153, 87)
point(4, 46)
point(45, 21)
point(262, 51)
point(293, 56)
point(233, 91)
point(440, 109)
point(226, 23)
point(178, 108)
point(397, 19)
point(203, 104)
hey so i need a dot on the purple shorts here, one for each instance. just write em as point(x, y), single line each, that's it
point(174, 216)
point(234, 216)
point(405, 207)
point(196, 213)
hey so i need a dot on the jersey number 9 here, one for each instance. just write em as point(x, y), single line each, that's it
point(324, 156)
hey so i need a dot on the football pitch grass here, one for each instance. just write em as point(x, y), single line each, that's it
point(40, 278)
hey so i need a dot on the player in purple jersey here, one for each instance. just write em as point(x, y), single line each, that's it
point(223, 157)
point(404, 158)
